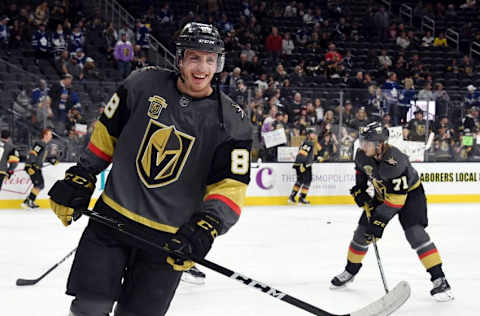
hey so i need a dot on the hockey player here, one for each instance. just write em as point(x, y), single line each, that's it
point(303, 168)
point(9, 157)
point(33, 166)
point(180, 155)
point(398, 190)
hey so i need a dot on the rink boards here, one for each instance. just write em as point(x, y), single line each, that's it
point(271, 183)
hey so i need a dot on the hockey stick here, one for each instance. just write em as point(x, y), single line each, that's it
point(379, 262)
point(381, 307)
point(382, 274)
point(22, 282)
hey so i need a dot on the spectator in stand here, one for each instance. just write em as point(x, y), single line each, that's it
point(74, 68)
point(60, 94)
point(327, 147)
point(427, 39)
point(384, 59)
point(382, 21)
point(123, 54)
point(77, 39)
point(391, 91)
point(469, 4)
point(417, 127)
point(224, 24)
point(294, 108)
point(342, 29)
point(273, 43)
point(90, 70)
point(332, 55)
point(165, 16)
point(58, 42)
point(287, 45)
point(472, 98)
point(130, 36)
point(111, 38)
point(39, 93)
point(62, 62)
point(426, 93)
point(361, 119)
point(440, 94)
point(387, 120)
point(280, 74)
point(4, 34)
point(42, 14)
point(407, 95)
point(143, 36)
point(40, 44)
point(249, 52)
point(403, 41)
point(471, 120)
point(298, 77)
point(290, 10)
point(233, 78)
point(302, 37)
point(440, 40)
point(44, 115)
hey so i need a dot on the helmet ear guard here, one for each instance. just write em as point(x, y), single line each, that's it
point(202, 37)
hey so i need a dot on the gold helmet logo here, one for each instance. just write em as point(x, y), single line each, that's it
point(162, 155)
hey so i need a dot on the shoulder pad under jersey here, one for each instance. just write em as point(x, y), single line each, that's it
point(236, 119)
point(393, 164)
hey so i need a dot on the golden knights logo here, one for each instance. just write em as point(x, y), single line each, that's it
point(156, 105)
point(162, 154)
point(368, 170)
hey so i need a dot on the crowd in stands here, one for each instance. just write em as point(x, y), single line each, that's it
point(332, 66)
point(60, 43)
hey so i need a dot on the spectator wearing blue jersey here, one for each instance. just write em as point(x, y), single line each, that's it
point(41, 43)
point(4, 33)
point(77, 39)
point(165, 16)
point(58, 42)
point(472, 98)
point(143, 37)
point(40, 92)
point(390, 90)
point(407, 95)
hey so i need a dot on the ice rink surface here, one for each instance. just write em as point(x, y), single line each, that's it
point(294, 249)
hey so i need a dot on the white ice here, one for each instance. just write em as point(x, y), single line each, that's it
point(294, 249)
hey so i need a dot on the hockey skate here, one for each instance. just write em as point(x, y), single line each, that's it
point(29, 204)
point(193, 276)
point(291, 200)
point(341, 280)
point(441, 290)
point(302, 201)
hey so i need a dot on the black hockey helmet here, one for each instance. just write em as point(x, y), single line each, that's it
point(374, 132)
point(203, 37)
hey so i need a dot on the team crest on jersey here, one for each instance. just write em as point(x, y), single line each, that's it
point(157, 104)
point(162, 155)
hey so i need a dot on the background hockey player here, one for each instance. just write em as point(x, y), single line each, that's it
point(9, 157)
point(33, 166)
point(303, 168)
point(184, 149)
point(398, 190)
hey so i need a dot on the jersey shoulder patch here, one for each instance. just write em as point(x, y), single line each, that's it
point(393, 164)
point(236, 119)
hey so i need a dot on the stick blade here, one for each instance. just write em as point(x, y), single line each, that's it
point(23, 282)
point(388, 303)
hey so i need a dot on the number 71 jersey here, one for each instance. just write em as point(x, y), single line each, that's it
point(392, 177)
point(170, 157)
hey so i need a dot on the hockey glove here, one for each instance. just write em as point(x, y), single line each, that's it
point(72, 193)
point(360, 196)
point(302, 168)
point(192, 240)
point(376, 224)
point(31, 169)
